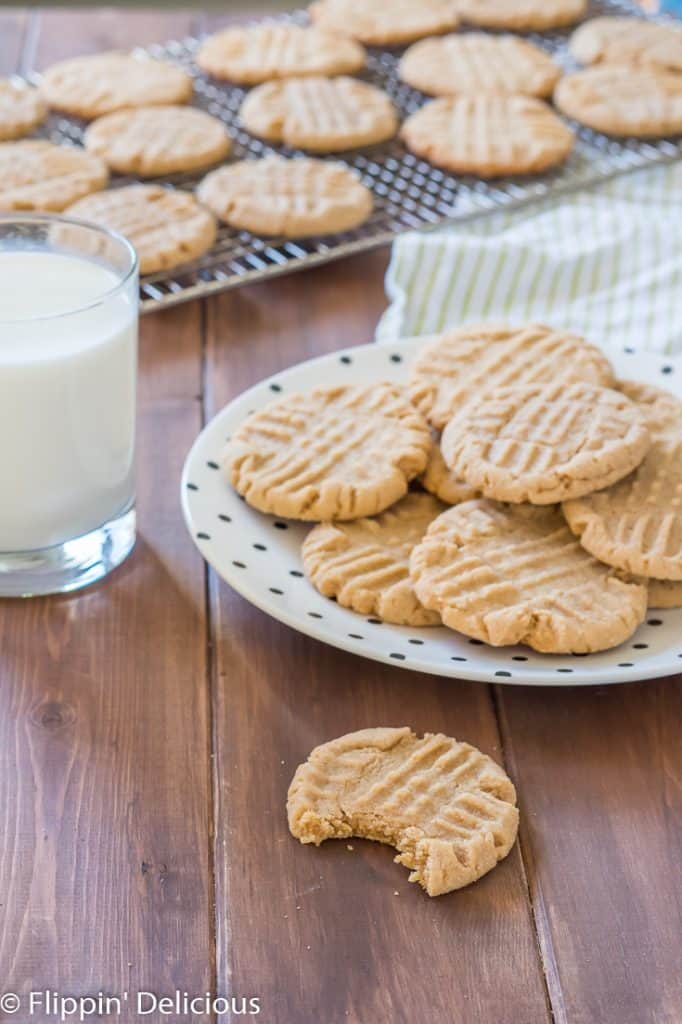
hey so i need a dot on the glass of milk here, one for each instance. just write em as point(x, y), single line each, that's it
point(68, 368)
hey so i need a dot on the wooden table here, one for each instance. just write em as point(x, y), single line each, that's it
point(149, 728)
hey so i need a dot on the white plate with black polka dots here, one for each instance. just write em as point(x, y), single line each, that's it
point(260, 556)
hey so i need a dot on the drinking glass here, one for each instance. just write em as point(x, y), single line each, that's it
point(68, 369)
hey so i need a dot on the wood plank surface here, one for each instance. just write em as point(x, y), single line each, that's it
point(105, 798)
point(334, 935)
point(600, 776)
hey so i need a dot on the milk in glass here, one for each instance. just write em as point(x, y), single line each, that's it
point(67, 397)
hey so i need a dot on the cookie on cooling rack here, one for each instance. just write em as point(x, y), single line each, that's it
point(488, 135)
point(545, 443)
point(521, 15)
point(621, 99)
point(364, 564)
point(21, 109)
point(636, 525)
point(99, 83)
point(166, 226)
point(149, 141)
point(257, 53)
point(37, 175)
point(292, 198)
point(385, 22)
point(449, 810)
point(469, 362)
point(322, 115)
point(335, 453)
point(628, 41)
point(514, 574)
point(474, 63)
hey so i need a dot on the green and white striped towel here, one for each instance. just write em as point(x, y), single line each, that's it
point(605, 262)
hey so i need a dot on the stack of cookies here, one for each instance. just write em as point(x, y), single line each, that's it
point(513, 491)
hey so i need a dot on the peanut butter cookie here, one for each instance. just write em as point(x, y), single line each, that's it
point(257, 53)
point(545, 443)
point(365, 564)
point(336, 453)
point(513, 574)
point(449, 810)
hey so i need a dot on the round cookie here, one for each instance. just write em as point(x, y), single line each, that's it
point(664, 593)
point(37, 175)
point(100, 83)
point(473, 360)
point(449, 810)
point(514, 574)
point(545, 443)
point(621, 99)
point(385, 22)
point(628, 41)
point(488, 135)
point(147, 141)
point(292, 198)
point(167, 227)
point(636, 525)
point(257, 53)
point(323, 115)
point(365, 564)
point(475, 63)
point(21, 109)
point(521, 15)
point(335, 453)
point(439, 480)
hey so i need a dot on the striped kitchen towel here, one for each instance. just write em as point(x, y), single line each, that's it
point(605, 262)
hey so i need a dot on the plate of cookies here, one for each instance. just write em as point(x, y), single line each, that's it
point(497, 503)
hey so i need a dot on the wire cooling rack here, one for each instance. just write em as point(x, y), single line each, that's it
point(409, 193)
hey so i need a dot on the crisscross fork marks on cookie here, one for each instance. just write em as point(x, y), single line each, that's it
point(636, 525)
point(295, 198)
point(621, 99)
point(514, 574)
point(364, 564)
point(158, 140)
point(167, 226)
point(628, 41)
point(447, 808)
point(96, 84)
point(488, 134)
point(38, 175)
point(258, 53)
point(338, 453)
point(319, 114)
point(545, 443)
point(470, 362)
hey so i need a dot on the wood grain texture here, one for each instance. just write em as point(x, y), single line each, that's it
point(600, 777)
point(105, 797)
point(335, 935)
